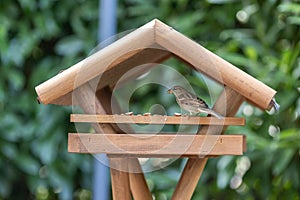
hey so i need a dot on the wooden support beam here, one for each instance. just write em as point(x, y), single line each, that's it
point(104, 96)
point(227, 105)
point(157, 119)
point(138, 185)
point(134, 171)
point(85, 97)
point(120, 178)
point(146, 145)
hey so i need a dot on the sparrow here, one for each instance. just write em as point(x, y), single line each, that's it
point(191, 103)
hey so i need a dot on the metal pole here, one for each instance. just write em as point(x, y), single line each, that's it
point(108, 19)
point(106, 28)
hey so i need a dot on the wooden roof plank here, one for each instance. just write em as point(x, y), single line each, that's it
point(115, 60)
point(213, 66)
point(113, 74)
point(96, 64)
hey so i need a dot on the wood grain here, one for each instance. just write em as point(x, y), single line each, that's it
point(138, 184)
point(137, 181)
point(147, 145)
point(120, 178)
point(157, 119)
point(86, 98)
point(213, 66)
point(96, 64)
point(129, 52)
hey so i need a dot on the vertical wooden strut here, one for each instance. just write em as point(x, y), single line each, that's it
point(86, 99)
point(138, 185)
point(136, 180)
point(229, 99)
point(119, 178)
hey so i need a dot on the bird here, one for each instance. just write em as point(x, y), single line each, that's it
point(191, 103)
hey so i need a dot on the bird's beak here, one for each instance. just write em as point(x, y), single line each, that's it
point(170, 91)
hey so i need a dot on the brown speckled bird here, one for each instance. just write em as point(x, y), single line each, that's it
point(191, 103)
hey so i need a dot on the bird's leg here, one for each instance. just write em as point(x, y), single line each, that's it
point(186, 115)
point(189, 115)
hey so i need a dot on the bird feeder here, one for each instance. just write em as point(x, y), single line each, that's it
point(152, 43)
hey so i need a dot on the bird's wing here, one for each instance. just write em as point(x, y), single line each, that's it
point(202, 102)
point(196, 103)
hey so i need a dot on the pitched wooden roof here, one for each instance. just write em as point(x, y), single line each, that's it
point(151, 43)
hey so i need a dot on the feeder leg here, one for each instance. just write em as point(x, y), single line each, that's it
point(85, 97)
point(119, 179)
point(227, 104)
point(138, 185)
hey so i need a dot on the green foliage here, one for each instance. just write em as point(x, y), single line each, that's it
point(40, 38)
point(37, 40)
point(261, 38)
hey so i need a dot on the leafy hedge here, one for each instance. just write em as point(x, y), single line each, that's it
point(40, 38)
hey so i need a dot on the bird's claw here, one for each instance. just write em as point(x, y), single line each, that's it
point(187, 115)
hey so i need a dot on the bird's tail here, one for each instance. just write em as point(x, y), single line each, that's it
point(212, 112)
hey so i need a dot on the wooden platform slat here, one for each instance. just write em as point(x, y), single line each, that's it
point(157, 119)
point(146, 145)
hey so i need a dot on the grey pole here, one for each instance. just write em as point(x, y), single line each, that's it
point(106, 28)
point(108, 19)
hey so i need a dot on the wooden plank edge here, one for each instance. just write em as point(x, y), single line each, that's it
point(158, 145)
point(156, 119)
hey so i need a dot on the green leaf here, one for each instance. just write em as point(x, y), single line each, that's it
point(5, 188)
point(9, 150)
point(290, 134)
point(28, 164)
point(283, 158)
point(251, 53)
point(289, 7)
point(16, 79)
point(69, 46)
point(294, 20)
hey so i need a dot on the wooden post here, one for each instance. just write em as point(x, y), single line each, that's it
point(194, 167)
point(120, 178)
point(85, 97)
point(137, 180)
point(138, 185)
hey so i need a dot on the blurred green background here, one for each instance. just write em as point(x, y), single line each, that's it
point(40, 38)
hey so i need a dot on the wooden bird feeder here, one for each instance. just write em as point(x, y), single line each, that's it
point(152, 43)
